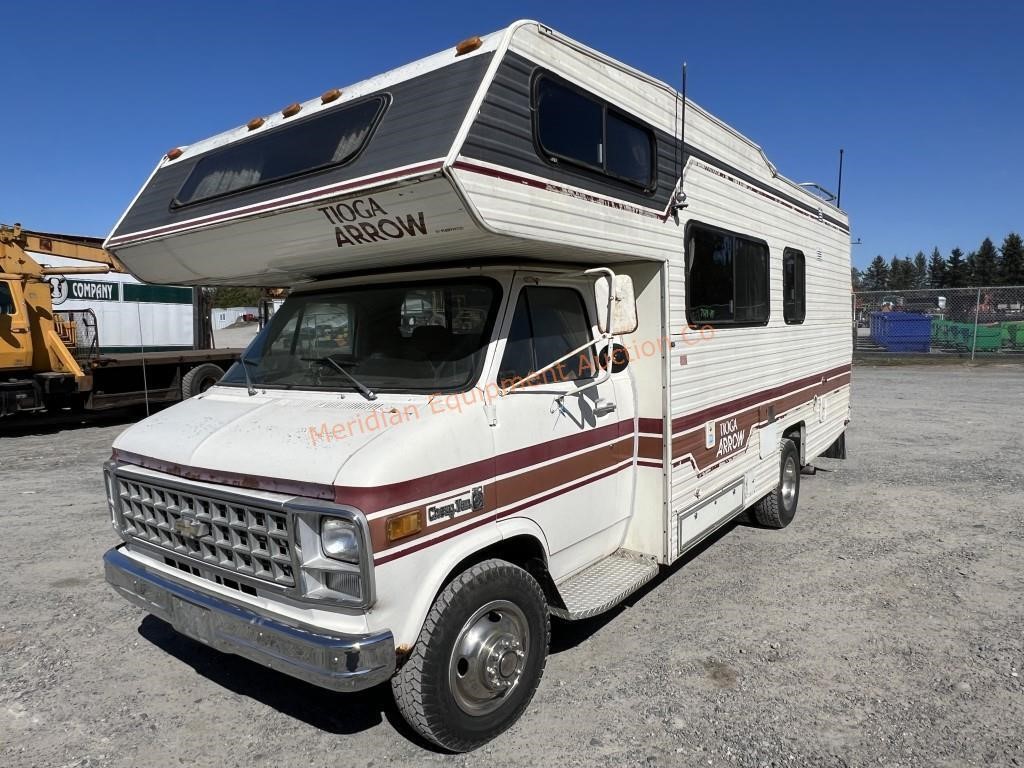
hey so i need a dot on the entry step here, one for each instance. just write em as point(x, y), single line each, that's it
point(604, 585)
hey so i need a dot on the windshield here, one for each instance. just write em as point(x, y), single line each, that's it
point(426, 336)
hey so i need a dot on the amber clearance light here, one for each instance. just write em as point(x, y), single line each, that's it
point(403, 525)
point(328, 96)
point(292, 109)
point(174, 154)
point(468, 45)
point(255, 123)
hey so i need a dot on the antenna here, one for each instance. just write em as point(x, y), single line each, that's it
point(839, 191)
point(680, 201)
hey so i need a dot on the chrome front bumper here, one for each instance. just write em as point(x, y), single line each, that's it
point(337, 662)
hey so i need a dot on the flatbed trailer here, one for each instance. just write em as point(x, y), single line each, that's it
point(50, 359)
point(156, 377)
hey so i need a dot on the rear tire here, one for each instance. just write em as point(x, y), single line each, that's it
point(777, 509)
point(199, 379)
point(479, 658)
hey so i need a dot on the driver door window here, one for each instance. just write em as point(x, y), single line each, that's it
point(547, 323)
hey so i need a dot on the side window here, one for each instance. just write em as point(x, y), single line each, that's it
point(726, 278)
point(583, 130)
point(794, 286)
point(547, 324)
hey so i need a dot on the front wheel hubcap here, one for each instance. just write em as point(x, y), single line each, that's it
point(489, 656)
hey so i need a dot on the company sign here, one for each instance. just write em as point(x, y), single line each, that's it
point(93, 290)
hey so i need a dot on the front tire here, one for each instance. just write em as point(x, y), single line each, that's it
point(777, 509)
point(479, 657)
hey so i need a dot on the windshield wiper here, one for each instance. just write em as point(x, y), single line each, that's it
point(364, 390)
point(246, 362)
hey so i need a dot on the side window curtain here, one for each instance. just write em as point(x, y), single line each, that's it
point(726, 278)
point(547, 324)
point(794, 286)
point(751, 275)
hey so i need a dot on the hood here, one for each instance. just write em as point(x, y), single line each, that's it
point(303, 437)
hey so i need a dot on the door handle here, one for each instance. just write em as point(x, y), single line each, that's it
point(19, 330)
point(603, 407)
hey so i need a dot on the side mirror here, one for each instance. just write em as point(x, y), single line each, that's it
point(617, 300)
point(619, 358)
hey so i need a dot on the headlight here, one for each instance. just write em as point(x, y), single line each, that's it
point(339, 540)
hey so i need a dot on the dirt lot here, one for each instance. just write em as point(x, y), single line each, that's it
point(883, 627)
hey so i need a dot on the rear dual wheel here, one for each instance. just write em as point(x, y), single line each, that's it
point(777, 509)
point(479, 657)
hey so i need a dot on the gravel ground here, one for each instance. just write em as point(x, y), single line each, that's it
point(883, 627)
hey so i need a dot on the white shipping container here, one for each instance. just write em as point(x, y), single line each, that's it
point(130, 315)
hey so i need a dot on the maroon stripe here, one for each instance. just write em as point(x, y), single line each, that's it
point(693, 420)
point(374, 499)
point(689, 421)
point(497, 173)
point(651, 426)
point(567, 489)
point(262, 207)
point(554, 186)
point(493, 517)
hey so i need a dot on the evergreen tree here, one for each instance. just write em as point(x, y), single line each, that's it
point(901, 274)
point(970, 267)
point(920, 270)
point(236, 297)
point(957, 270)
point(937, 270)
point(985, 270)
point(1011, 261)
point(876, 276)
point(856, 279)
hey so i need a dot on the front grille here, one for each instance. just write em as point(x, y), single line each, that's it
point(240, 537)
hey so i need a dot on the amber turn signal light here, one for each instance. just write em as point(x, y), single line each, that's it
point(468, 45)
point(404, 525)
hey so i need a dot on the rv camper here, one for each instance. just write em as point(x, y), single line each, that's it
point(541, 341)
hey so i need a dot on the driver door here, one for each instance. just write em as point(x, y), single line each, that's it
point(564, 441)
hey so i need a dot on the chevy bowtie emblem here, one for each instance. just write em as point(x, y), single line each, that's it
point(191, 528)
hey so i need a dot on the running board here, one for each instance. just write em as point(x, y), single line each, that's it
point(604, 585)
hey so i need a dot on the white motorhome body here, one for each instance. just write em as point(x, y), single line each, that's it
point(472, 195)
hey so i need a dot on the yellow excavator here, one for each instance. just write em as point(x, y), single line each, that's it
point(41, 363)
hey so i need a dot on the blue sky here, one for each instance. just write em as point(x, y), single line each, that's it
point(927, 98)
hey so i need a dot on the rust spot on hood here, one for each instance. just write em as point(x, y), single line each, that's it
point(232, 479)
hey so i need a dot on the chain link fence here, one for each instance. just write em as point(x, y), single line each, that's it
point(80, 331)
point(962, 322)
